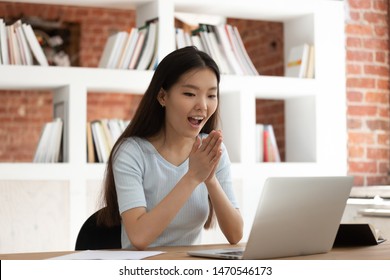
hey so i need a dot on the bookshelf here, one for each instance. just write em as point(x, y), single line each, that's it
point(315, 109)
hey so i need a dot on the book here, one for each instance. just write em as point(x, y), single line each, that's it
point(128, 49)
point(179, 38)
point(49, 144)
point(44, 139)
point(101, 137)
point(36, 48)
point(123, 51)
point(90, 147)
point(228, 50)
point(259, 145)
point(112, 50)
point(271, 150)
point(235, 49)
point(3, 43)
point(357, 234)
point(54, 154)
point(148, 46)
point(117, 50)
point(251, 69)
point(13, 46)
point(97, 137)
point(138, 48)
point(296, 64)
point(24, 48)
point(310, 63)
point(196, 42)
point(17, 41)
point(215, 44)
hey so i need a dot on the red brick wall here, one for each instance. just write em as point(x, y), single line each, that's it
point(22, 115)
point(367, 45)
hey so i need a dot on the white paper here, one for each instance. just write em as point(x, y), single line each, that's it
point(108, 255)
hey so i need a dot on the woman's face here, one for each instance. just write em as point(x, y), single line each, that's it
point(190, 102)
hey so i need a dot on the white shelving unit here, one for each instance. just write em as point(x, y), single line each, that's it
point(315, 109)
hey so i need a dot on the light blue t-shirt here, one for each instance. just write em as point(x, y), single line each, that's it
point(143, 178)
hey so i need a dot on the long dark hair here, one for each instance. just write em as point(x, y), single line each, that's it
point(149, 119)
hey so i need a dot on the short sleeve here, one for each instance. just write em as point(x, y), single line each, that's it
point(128, 170)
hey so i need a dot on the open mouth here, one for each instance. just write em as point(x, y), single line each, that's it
point(195, 120)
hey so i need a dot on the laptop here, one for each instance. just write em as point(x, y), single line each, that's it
point(295, 216)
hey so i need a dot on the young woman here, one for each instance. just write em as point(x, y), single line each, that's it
point(169, 171)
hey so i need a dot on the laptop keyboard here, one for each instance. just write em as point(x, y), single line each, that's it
point(233, 253)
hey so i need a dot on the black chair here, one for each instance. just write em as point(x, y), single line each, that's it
point(95, 237)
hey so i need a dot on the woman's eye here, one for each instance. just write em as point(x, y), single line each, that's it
point(212, 96)
point(189, 94)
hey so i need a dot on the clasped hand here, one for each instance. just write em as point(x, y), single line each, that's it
point(205, 156)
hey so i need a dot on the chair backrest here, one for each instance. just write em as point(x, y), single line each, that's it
point(94, 237)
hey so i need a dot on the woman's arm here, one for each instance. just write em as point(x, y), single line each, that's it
point(144, 227)
point(229, 218)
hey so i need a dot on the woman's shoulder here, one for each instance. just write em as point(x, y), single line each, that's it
point(133, 141)
point(136, 143)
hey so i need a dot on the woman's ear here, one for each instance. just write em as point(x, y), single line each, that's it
point(161, 97)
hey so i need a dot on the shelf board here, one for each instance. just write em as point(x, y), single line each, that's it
point(35, 171)
point(51, 171)
point(269, 86)
point(280, 10)
point(133, 81)
point(117, 4)
point(16, 77)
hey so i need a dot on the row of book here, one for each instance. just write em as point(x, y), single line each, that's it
point(266, 147)
point(49, 148)
point(300, 62)
point(223, 43)
point(137, 48)
point(19, 45)
point(103, 133)
point(101, 136)
point(134, 49)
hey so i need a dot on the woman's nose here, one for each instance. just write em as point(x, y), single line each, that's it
point(201, 104)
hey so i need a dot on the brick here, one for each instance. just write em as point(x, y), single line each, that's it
point(360, 138)
point(363, 167)
point(359, 55)
point(354, 123)
point(358, 29)
point(376, 70)
point(377, 97)
point(377, 180)
point(383, 139)
point(361, 83)
point(360, 4)
point(375, 18)
point(354, 96)
point(382, 83)
point(358, 180)
point(377, 154)
point(363, 110)
point(356, 152)
point(372, 43)
point(381, 56)
point(354, 69)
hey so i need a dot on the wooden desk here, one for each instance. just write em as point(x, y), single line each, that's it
point(377, 252)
